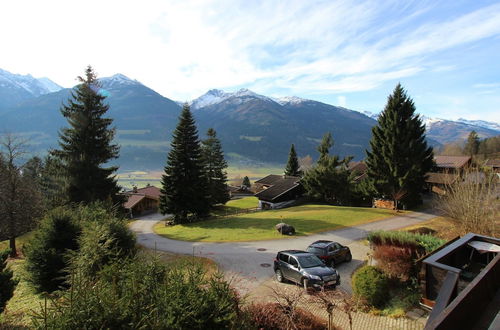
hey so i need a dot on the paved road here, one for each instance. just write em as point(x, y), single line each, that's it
point(250, 263)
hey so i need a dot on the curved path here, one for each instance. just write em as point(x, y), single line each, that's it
point(250, 263)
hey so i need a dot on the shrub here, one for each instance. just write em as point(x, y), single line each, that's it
point(394, 261)
point(7, 283)
point(371, 285)
point(46, 259)
point(101, 243)
point(417, 242)
point(144, 294)
point(272, 316)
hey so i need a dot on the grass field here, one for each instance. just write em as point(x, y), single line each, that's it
point(237, 205)
point(235, 174)
point(307, 220)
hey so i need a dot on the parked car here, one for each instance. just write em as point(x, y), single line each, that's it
point(304, 268)
point(332, 253)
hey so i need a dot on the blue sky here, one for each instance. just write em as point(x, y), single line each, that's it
point(347, 53)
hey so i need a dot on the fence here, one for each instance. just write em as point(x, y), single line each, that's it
point(236, 212)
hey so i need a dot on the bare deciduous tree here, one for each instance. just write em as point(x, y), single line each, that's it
point(335, 299)
point(20, 200)
point(473, 202)
point(288, 300)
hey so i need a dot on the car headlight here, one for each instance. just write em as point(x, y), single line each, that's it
point(315, 277)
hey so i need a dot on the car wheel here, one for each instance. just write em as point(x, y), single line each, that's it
point(279, 276)
point(348, 257)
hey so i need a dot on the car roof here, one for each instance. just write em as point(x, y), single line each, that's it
point(322, 243)
point(295, 252)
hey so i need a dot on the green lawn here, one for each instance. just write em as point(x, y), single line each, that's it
point(235, 205)
point(307, 220)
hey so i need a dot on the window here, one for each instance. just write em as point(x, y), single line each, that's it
point(294, 262)
point(284, 258)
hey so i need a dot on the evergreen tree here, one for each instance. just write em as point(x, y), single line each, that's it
point(86, 145)
point(215, 168)
point(329, 181)
point(246, 182)
point(324, 148)
point(184, 186)
point(472, 145)
point(292, 166)
point(7, 282)
point(399, 157)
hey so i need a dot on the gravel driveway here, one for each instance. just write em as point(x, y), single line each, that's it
point(250, 263)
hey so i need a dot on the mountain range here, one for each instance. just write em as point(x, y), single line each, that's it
point(253, 128)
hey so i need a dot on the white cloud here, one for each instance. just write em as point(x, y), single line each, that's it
point(342, 101)
point(183, 48)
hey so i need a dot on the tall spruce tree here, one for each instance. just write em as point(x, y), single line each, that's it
point(329, 180)
point(184, 184)
point(86, 145)
point(215, 168)
point(324, 148)
point(399, 157)
point(292, 167)
point(471, 147)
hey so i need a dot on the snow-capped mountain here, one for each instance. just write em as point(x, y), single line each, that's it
point(481, 123)
point(118, 80)
point(290, 100)
point(15, 88)
point(215, 96)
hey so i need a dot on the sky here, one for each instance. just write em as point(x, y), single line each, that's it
point(446, 54)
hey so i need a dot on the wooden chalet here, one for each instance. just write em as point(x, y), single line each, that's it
point(360, 169)
point(461, 283)
point(493, 164)
point(142, 200)
point(448, 170)
point(277, 191)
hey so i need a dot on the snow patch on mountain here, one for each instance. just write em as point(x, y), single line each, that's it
point(215, 96)
point(481, 123)
point(118, 80)
point(289, 100)
point(33, 86)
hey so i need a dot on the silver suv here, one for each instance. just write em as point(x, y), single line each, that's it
point(304, 268)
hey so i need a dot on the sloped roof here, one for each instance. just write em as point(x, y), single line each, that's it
point(357, 166)
point(270, 179)
point(279, 187)
point(492, 163)
point(150, 191)
point(441, 178)
point(132, 200)
point(451, 161)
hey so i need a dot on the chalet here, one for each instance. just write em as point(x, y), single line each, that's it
point(493, 164)
point(142, 200)
point(447, 171)
point(360, 169)
point(461, 283)
point(277, 191)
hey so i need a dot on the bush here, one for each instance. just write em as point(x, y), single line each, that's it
point(394, 261)
point(144, 294)
point(7, 283)
point(46, 259)
point(417, 242)
point(272, 316)
point(101, 243)
point(371, 285)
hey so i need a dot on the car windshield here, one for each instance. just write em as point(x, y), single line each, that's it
point(309, 261)
point(315, 250)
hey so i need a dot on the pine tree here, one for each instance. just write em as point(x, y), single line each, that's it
point(472, 145)
point(215, 168)
point(86, 145)
point(329, 181)
point(292, 166)
point(184, 186)
point(7, 282)
point(246, 182)
point(324, 148)
point(399, 157)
